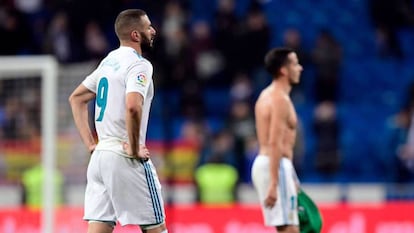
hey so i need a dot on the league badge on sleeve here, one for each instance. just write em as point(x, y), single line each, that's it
point(142, 79)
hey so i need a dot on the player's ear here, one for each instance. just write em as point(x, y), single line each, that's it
point(135, 36)
point(283, 71)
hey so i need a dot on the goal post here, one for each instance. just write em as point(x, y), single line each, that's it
point(45, 67)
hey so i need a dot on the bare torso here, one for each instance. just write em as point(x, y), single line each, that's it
point(275, 105)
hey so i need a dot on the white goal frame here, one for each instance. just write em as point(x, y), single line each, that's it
point(46, 67)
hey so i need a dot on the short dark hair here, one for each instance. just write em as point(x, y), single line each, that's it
point(275, 59)
point(126, 21)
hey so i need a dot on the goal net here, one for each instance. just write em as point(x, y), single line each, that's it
point(28, 90)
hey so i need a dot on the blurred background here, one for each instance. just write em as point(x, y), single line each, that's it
point(355, 103)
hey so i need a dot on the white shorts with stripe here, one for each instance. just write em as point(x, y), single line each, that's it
point(285, 211)
point(122, 189)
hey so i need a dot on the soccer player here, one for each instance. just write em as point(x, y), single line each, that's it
point(273, 174)
point(122, 184)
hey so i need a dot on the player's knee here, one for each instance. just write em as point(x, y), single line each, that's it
point(156, 228)
point(288, 229)
point(100, 226)
point(110, 224)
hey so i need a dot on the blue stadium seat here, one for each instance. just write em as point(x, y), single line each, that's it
point(156, 129)
point(217, 102)
point(406, 40)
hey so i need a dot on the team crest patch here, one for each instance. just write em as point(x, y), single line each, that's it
point(142, 79)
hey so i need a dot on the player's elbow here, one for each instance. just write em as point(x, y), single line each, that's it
point(75, 99)
point(133, 109)
point(133, 103)
point(72, 99)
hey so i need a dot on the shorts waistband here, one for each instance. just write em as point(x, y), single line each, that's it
point(112, 144)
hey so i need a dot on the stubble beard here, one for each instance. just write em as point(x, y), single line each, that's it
point(147, 43)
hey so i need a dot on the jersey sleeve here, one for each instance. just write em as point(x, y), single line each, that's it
point(139, 78)
point(91, 81)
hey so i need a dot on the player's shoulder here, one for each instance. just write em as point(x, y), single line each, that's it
point(270, 97)
point(136, 59)
point(143, 61)
point(141, 64)
point(264, 98)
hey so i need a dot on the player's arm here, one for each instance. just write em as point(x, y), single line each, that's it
point(134, 103)
point(137, 86)
point(79, 103)
point(275, 142)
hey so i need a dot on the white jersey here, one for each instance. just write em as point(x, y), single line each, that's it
point(121, 72)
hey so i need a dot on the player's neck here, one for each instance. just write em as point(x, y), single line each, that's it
point(135, 46)
point(283, 85)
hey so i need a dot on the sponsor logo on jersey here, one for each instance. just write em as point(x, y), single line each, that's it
point(141, 79)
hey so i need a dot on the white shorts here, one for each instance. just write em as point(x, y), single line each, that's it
point(122, 189)
point(285, 211)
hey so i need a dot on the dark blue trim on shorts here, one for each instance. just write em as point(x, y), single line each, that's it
point(156, 204)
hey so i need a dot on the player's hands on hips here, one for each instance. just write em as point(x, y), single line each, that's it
point(91, 148)
point(271, 197)
point(143, 152)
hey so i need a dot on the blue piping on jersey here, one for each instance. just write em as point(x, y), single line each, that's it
point(139, 55)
